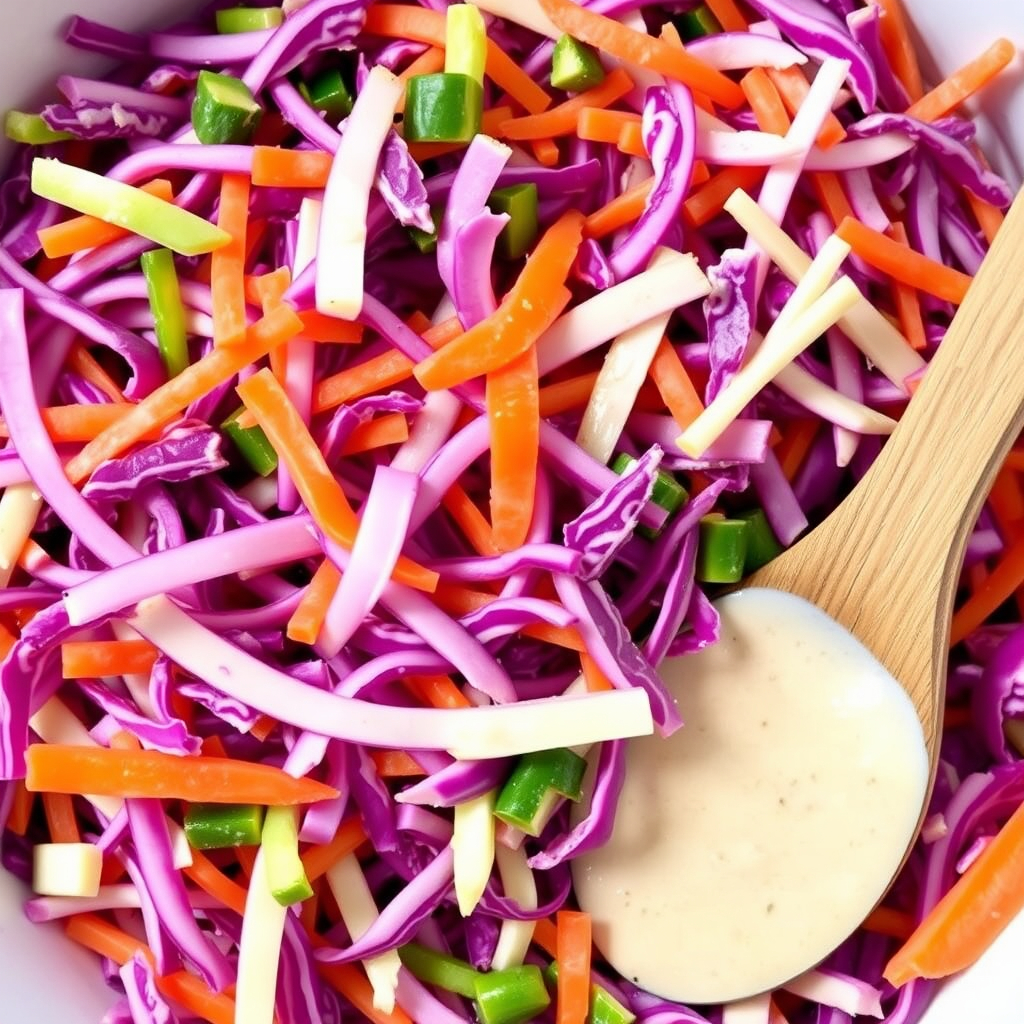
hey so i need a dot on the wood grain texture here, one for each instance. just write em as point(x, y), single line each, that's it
point(885, 564)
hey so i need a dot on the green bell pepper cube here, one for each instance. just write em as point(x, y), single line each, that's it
point(31, 129)
point(285, 873)
point(520, 202)
point(224, 110)
point(167, 308)
point(762, 544)
point(217, 826)
point(426, 241)
point(722, 549)
point(512, 996)
point(248, 19)
point(440, 969)
point(536, 784)
point(443, 107)
point(329, 94)
point(697, 23)
point(252, 444)
point(575, 66)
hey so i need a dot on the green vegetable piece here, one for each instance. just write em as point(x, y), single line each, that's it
point(535, 786)
point(248, 19)
point(512, 996)
point(31, 129)
point(126, 206)
point(575, 66)
point(285, 873)
point(668, 493)
point(465, 50)
point(328, 93)
point(224, 110)
point(426, 241)
point(520, 203)
point(443, 108)
point(252, 444)
point(216, 826)
point(722, 549)
point(697, 23)
point(762, 544)
point(167, 308)
point(604, 1007)
point(440, 969)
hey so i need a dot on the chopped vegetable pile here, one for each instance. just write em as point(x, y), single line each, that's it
point(386, 391)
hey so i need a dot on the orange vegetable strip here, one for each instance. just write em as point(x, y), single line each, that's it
point(971, 915)
point(595, 679)
point(55, 768)
point(902, 263)
point(514, 415)
point(707, 202)
point(596, 124)
point(905, 298)
point(88, 659)
point(899, 46)
point(897, 924)
point(470, 520)
point(1006, 500)
point(437, 691)
point(263, 727)
point(829, 190)
point(765, 101)
point(103, 938)
point(545, 934)
point(320, 491)
point(627, 44)
point(351, 982)
point(563, 119)
point(81, 361)
point(329, 329)
point(425, 26)
point(364, 378)
point(1002, 583)
point(275, 167)
point(267, 290)
point(574, 945)
point(534, 303)
point(21, 808)
point(391, 428)
point(196, 996)
point(488, 126)
point(246, 857)
point(68, 424)
point(727, 14)
point(631, 140)
point(674, 385)
point(308, 618)
point(212, 880)
point(793, 88)
point(620, 211)
point(317, 860)
point(1014, 460)
point(963, 83)
point(196, 380)
point(85, 232)
point(60, 818)
point(990, 218)
point(546, 152)
point(227, 265)
point(395, 764)
point(793, 449)
point(573, 393)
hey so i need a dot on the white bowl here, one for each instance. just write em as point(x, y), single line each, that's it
point(43, 977)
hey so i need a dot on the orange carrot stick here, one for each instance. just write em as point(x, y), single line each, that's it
point(317, 860)
point(628, 44)
point(990, 218)
point(427, 63)
point(631, 140)
point(624, 209)
point(395, 764)
point(573, 393)
point(391, 428)
point(470, 520)
point(351, 982)
point(81, 361)
point(546, 152)
point(574, 945)
point(308, 618)
point(322, 494)
point(514, 417)
point(727, 14)
point(364, 378)
point(93, 658)
point(595, 679)
point(902, 263)
point(963, 83)
point(674, 385)
point(21, 808)
point(60, 818)
point(829, 190)
point(1004, 580)
point(436, 691)
point(707, 202)
point(908, 305)
point(54, 768)
point(545, 934)
point(202, 376)
point(765, 102)
point(899, 47)
point(212, 880)
point(80, 233)
point(227, 265)
point(596, 124)
point(897, 924)
point(68, 424)
point(793, 449)
point(275, 167)
point(328, 329)
point(793, 88)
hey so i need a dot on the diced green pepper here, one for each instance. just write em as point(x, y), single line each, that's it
point(224, 110)
point(31, 129)
point(604, 1007)
point(440, 969)
point(520, 202)
point(575, 66)
point(126, 206)
point(252, 444)
point(722, 549)
point(167, 308)
point(215, 826)
point(329, 93)
point(697, 23)
point(762, 544)
point(443, 107)
point(465, 50)
point(536, 784)
point(285, 874)
point(426, 241)
point(248, 19)
point(668, 493)
point(511, 996)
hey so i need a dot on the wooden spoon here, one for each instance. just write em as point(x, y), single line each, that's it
point(885, 564)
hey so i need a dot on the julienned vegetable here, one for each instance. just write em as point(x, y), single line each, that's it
point(377, 535)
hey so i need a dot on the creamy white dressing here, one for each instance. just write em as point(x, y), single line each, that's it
point(756, 839)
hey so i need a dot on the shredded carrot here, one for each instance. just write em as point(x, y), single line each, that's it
point(1004, 580)
point(391, 428)
point(545, 934)
point(765, 102)
point(22, 804)
point(318, 860)
point(639, 48)
point(80, 360)
point(322, 494)
point(364, 378)
point(61, 819)
point(1015, 460)
point(328, 329)
point(1006, 500)
point(963, 83)
point(906, 301)
point(426, 26)
point(54, 768)
point(489, 123)
point(829, 190)
point(574, 945)
point(436, 691)
point(727, 14)
point(89, 659)
point(573, 393)
point(990, 218)
point(227, 264)
point(514, 416)
point(564, 119)
point(897, 924)
point(546, 152)
point(246, 857)
point(971, 915)
point(309, 911)
point(308, 618)
point(793, 449)
point(263, 727)
point(103, 938)
point(212, 880)
point(395, 764)
point(596, 680)
point(198, 997)
point(902, 263)
point(470, 520)
point(268, 290)
point(631, 140)
point(80, 233)
point(196, 380)
point(427, 63)
point(624, 209)
point(68, 424)
point(675, 385)
point(899, 46)
point(793, 88)
point(351, 982)
point(274, 167)
point(707, 202)
point(595, 124)
point(535, 301)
